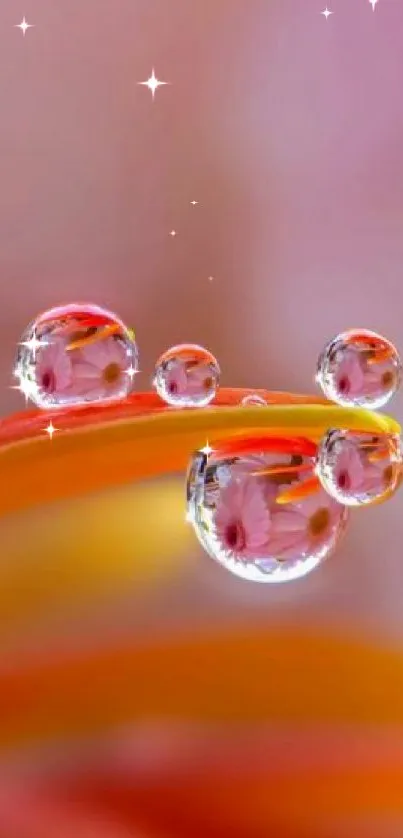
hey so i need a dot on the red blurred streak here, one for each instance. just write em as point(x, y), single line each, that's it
point(35, 815)
point(241, 785)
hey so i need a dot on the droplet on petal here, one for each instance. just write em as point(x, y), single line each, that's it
point(76, 355)
point(359, 368)
point(359, 468)
point(187, 376)
point(232, 504)
point(253, 400)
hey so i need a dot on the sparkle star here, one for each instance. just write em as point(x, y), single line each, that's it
point(50, 429)
point(326, 13)
point(33, 344)
point(207, 450)
point(173, 233)
point(131, 372)
point(194, 203)
point(28, 388)
point(152, 83)
point(373, 4)
point(24, 26)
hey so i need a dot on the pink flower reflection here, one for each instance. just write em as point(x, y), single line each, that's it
point(242, 519)
point(187, 380)
point(354, 476)
point(300, 530)
point(99, 369)
point(54, 370)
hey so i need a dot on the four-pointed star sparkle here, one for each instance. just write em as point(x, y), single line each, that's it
point(24, 25)
point(207, 450)
point(50, 429)
point(33, 344)
point(152, 83)
point(373, 4)
point(326, 13)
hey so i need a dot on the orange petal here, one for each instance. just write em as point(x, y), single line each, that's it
point(299, 491)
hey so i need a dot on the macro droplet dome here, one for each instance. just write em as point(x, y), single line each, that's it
point(359, 368)
point(252, 511)
point(253, 400)
point(359, 468)
point(76, 354)
point(187, 376)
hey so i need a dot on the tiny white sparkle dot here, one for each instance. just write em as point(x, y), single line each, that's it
point(210, 279)
point(152, 83)
point(50, 429)
point(173, 233)
point(326, 13)
point(373, 4)
point(194, 203)
point(24, 25)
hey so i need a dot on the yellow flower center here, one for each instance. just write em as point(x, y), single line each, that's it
point(388, 378)
point(319, 522)
point(111, 373)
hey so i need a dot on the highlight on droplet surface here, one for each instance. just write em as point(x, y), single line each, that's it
point(75, 355)
point(187, 376)
point(360, 368)
point(232, 497)
point(358, 468)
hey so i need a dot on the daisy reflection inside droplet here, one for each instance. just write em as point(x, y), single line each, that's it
point(236, 511)
point(75, 355)
point(359, 468)
point(360, 368)
point(187, 376)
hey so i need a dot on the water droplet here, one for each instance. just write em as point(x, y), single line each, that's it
point(75, 355)
point(359, 368)
point(253, 400)
point(359, 468)
point(233, 506)
point(187, 376)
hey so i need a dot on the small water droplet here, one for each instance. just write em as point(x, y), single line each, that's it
point(358, 469)
point(359, 368)
point(253, 400)
point(187, 376)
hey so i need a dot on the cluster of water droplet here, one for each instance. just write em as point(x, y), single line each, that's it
point(267, 509)
point(83, 354)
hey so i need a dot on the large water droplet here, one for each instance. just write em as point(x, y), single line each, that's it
point(359, 368)
point(187, 376)
point(236, 505)
point(359, 468)
point(75, 355)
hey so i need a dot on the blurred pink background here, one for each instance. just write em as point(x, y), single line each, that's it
point(287, 129)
